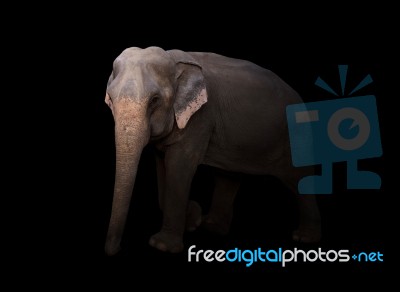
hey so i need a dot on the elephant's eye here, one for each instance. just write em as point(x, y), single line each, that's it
point(154, 101)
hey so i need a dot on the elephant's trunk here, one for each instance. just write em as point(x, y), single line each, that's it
point(130, 138)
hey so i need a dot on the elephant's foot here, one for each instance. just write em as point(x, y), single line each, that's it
point(217, 224)
point(166, 242)
point(308, 234)
point(193, 216)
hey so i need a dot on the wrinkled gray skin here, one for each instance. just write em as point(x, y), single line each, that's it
point(199, 108)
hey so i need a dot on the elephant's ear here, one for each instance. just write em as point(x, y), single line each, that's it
point(191, 92)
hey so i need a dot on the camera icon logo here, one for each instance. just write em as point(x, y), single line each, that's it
point(344, 129)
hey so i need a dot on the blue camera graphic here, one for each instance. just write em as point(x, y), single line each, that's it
point(345, 129)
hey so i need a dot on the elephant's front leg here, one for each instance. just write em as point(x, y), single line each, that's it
point(193, 212)
point(178, 171)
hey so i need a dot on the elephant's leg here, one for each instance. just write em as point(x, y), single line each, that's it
point(220, 216)
point(309, 229)
point(193, 213)
point(179, 171)
point(160, 179)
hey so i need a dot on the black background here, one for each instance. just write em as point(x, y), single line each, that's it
point(75, 225)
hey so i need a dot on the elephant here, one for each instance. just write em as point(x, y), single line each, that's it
point(199, 108)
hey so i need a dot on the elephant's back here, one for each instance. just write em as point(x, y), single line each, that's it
point(242, 88)
point(230, 73)
point(220, 61)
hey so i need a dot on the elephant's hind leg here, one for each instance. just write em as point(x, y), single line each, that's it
point(309, 229)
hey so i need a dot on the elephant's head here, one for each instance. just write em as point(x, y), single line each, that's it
point(150, 93)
